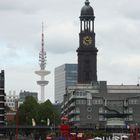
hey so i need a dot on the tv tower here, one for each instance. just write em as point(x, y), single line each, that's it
point(42, 72)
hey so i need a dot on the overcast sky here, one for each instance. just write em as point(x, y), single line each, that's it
point(117, 28)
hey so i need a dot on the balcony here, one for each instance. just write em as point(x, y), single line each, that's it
point(77, 119)
point(66, 109)
point(74, 112)
point(125, 104)
point(115, 115)
point(2, 108)
point(74, 119)
point(66, 102)
point(62, 112)
point(2, 95)
point(77, 97)
point(72, 105)
point(62, 106)
point(2, 102)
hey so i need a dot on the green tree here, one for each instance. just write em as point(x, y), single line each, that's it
point(28, 111)
point(7, 108)
point(47, 111)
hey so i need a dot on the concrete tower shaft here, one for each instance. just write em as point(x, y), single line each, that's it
point(42, 72)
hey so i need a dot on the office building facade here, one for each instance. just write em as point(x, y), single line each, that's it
point(65, 75)
point(11, 100)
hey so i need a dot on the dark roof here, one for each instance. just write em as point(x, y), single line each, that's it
point(87, 11)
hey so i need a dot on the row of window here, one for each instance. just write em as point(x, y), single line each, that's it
point(10, 100)
point(102, 118)
point(80, 93)
point(89, 109)
point(129, 118)
point(10, 104)
point(12, 97)
point(80, 101)
point(89, 102)
point(133, 101)
point(129, 110)
point(100, 101)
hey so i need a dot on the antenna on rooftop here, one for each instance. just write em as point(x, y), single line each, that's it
point(138, 83)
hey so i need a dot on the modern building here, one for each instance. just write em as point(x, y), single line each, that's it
point(24, 94)
point(65, 75)
point(93, 103)
point(2, 100)
point(11, 100)
point(99, 105)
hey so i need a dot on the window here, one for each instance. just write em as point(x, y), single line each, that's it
point(77, 109)
point(130, 110)
point(77, 94)
point(101, 118)
point(89, 102)
point(89, 117)
point(83, 101)
point(80, 101)
point(130, 118)
point(133, 101)
point(89, 109)
point(100, 110)
point(77, 101)
point(97, 101)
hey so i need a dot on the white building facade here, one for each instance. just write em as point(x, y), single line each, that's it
point(11, 100)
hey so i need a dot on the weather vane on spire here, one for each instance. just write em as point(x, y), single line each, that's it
point(87, 2)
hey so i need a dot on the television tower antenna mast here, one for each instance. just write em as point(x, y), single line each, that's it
point(42, 72)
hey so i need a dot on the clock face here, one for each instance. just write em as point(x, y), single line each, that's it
point(87, 40)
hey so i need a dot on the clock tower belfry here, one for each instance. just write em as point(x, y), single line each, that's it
point(87, 52)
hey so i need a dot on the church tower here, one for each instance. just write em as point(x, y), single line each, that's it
point(87, 52)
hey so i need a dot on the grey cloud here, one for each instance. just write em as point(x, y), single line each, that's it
point(20, 6)
point(131, 9)
point(117, 37)
point(118, 73)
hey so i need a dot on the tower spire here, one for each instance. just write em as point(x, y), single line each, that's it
point(87, 2)
point(42, 54)
point(42, 36)
point(42, 72)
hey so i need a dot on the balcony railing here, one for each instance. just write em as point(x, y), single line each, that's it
point(74, 119)
point(77, 97)
point(72, 104)
point(73, 112)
